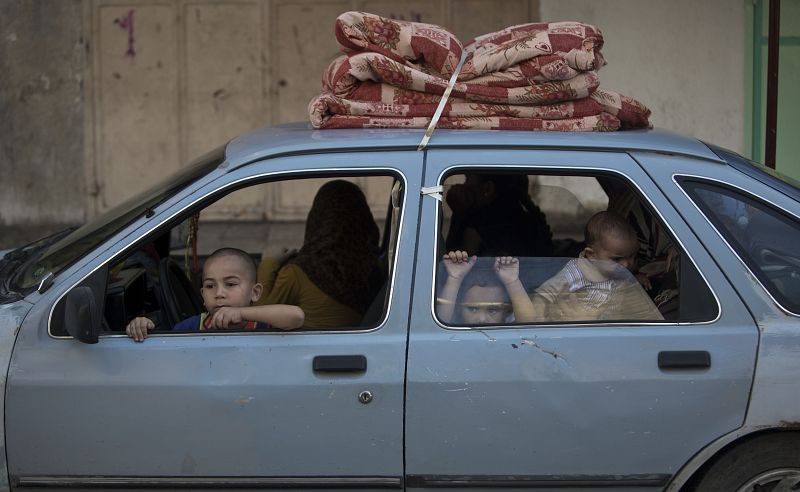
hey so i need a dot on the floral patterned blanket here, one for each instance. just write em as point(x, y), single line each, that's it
point(539, 76)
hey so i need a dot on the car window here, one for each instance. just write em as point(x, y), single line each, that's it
point(520, 248)
point(330, 252)
point(763, 236)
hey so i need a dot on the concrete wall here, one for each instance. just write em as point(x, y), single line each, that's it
point(682, 58)
point(105, 97)
point(42, 58)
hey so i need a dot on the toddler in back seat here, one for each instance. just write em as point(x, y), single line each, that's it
point(599, 285)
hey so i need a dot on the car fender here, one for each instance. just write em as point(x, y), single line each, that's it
point(707, 453)
point(775, 400)
point(11, 316)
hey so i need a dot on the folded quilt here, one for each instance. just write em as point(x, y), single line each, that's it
point(359, 77)
point(577, 44)
point(327, 106)
point(401, 41)
point(326, 110)
point(565, 45)
point(393, 74)
point(603, 122)
point(631, 113)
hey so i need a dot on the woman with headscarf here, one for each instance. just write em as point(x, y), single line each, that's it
point(336, 274)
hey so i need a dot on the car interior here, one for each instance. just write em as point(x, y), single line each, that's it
point(763, 236)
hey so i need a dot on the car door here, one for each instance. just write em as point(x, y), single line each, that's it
point(763, 219)
point(215, 411)
point(560, 405)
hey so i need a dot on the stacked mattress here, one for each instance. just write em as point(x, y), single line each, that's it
point(537, 76)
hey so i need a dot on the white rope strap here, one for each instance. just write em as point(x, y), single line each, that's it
point(438, 113)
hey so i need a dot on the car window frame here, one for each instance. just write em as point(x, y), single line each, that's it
point(560, 170)
point(754, 271)
point(207, 197)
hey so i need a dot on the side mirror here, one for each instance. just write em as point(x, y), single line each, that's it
point(81, 317)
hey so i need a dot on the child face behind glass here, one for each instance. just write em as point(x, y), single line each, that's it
point(484, 305)
point(613, 253)
point(226, 283)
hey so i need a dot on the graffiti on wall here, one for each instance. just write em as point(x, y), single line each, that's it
point(126, 22)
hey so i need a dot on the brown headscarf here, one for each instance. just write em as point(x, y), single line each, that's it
point(340, 249)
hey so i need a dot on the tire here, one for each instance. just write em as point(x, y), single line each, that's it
point(764, 464)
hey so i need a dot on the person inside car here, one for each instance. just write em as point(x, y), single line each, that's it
point(482, 296)
point(494, 215)
point(600, 283)
point(336, 274)
point(229, 290)
point(658, 259)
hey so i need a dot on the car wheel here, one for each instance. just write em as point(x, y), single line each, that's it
point(769, 463)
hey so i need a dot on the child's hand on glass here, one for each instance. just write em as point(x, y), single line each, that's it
point(507, 269)
point(458, 263)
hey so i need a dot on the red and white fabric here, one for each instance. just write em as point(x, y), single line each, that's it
point(539, 76)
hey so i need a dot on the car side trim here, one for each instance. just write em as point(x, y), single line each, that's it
point(535, 481)
point(121, 482)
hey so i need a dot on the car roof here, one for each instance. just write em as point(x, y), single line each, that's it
point(300, 138)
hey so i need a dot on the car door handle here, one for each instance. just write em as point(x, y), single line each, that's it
point(684, 359)
point(340, 363)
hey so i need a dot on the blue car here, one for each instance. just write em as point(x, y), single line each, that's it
point(502, 342)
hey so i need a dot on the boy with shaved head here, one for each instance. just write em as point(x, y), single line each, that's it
point(229, 291)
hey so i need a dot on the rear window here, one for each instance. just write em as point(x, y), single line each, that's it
point(763, 236)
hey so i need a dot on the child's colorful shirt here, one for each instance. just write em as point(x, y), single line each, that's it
point(595, 294)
